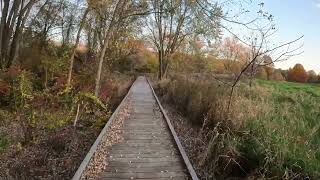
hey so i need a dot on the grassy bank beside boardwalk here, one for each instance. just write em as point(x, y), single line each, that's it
point(271, 131)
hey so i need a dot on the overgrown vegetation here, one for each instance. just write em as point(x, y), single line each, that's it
point(39, 136)
point(65, 65)
point(271, 131)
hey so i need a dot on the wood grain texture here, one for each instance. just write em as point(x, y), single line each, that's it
point(148, 150)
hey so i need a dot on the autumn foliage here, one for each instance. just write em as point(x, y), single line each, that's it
point(298, 74)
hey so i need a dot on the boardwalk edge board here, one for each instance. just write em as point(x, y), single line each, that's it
point(182, 152)
point(86, 161)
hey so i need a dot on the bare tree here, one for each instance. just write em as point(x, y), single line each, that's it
point(257, 39)
point(170, 24)
point(259, 48)
point(68, 20)
point(14, 15)
point(45, 21)
point(167, 28)
point(76, 45)
point(115, 18)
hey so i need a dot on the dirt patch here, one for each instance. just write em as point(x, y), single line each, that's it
point(61, 150)
point(56, 148)
point(99, 161)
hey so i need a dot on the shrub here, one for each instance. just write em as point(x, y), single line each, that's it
point(106, 90)
point(261, 73)
point(254, 137)
point(313, 78)
point(4, 142)
point(298, 74)
point(4, 91)
point(195, 99)
point(277, 76)
point(93, 106)
point(22, 95)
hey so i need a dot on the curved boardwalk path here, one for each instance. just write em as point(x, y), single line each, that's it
point(149, 149)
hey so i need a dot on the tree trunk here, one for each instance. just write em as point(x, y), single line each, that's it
point(9, 38)
point(160, 75)
point(106, 42)
point(14, 48)
point(68, 33)
point(15, 44)
point(46, 77)
point(4, 14)
point(101, 58)
point(75, 47)
point(165, 70)
point(77, 116)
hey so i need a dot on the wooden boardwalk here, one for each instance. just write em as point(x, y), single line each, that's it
point(149, 149)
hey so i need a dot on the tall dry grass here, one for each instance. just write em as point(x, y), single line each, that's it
point(266, 133)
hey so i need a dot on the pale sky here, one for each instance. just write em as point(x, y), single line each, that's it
point(293, 19)
point(296, 18)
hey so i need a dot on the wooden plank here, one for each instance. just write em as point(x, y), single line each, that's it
point(149, 128)
point(144, 102)
point(145, 108)
point(127, 155)
point(117, 150)
point(144, 125)
point(94, 147)
point(154, 121)
point(148, 142)
point(146, 169)
point(130, 136)
point(151, 140)
point(145, 164)
point(142, 150)
point(146, 146)
point(139, 159)
point(174, 178)
point(142, 115)
point(148, 150)
point(145, 175)
point(147, 131)
point(174, 134)
point(132, 124)
point(147, 120)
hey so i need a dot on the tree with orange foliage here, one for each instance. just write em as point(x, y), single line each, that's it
point(298, 74)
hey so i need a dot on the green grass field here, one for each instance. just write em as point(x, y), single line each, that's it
point(290, 130)
point(291, 87)
point(279, 123)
